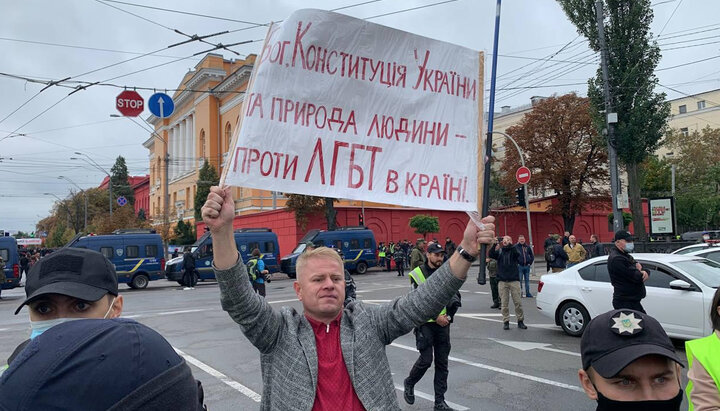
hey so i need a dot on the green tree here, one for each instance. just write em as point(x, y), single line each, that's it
point(424, 224)
point(207, 177)
point(632, 58)
point(184, 234)
point(498, 193)
point(120, 181)
point(655, 177)
point(141, 215)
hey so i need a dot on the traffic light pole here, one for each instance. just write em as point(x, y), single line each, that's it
point(527, 203)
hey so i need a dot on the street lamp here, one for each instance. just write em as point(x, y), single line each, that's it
point(527, 199)
point(62, 204)
point(92, 162)
point(84, 195)
point(166, 212)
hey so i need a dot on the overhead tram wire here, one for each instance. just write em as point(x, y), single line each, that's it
point(73, 46)
point(670, 18)
point(218, 46)
point(534, 62)
point(183, 12)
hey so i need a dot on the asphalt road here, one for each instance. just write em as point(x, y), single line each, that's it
point(490, 369)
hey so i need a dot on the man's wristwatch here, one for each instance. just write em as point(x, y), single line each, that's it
point(464, 254)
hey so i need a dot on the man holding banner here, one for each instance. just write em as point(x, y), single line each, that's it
point(307, 358)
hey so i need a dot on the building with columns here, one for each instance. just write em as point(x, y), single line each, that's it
point(207, 110)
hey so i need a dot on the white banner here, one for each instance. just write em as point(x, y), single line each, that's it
point(29, 241)
point(661, 216)
point(341, 107)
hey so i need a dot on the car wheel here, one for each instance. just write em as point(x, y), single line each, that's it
point(361, 267)
point(573, 318)
point(140, 281)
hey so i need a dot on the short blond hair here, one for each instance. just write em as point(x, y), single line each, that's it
point(320, 252)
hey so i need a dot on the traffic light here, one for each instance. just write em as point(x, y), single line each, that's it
point(361, 219)
point(520, 193)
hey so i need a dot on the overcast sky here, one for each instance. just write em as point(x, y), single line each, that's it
point(53, 40)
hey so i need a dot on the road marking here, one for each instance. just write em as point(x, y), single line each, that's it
point(527, 345)
point(220, 376)
point(502, 370)
point(482, 317)
point(429, 397)
point(475, 292)
point(166, 313)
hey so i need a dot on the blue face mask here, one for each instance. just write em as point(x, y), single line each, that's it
point(39, 327)
point(629, 247)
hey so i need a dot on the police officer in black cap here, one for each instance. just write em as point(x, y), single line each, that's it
point(629, 363)
point(626, 274)
point(433, 336)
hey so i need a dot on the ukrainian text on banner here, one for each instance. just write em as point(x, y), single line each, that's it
point(340, 107)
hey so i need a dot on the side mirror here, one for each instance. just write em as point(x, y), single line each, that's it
point(680, 285)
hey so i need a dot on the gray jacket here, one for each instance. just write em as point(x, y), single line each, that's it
point(286, 339)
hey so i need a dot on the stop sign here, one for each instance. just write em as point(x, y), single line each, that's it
point(129, 103)
point(522, 175)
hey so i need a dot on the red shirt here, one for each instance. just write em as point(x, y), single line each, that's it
point(334, 388)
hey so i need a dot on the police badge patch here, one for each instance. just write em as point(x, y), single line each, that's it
point(626, 323)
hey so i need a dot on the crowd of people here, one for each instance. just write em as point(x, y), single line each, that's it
point(627, 360)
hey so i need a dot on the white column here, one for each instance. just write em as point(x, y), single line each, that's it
point(171, 148)
point(194, 143)
point(183, 149)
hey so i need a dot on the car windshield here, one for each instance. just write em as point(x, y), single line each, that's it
point(706, 271)
point(299, 249)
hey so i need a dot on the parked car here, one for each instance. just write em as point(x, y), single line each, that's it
point(679, 292)
point(711, 253)
point(357, 244)
point(246, 240)
point(694, 247)
point(11, 258)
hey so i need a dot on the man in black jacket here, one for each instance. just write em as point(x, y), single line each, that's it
point(596, 249)
point(558, 257)
point(189, 276)
point(626, 275)
point(549, 243)
point(508, 278)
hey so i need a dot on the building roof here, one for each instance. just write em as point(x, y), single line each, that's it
point(135, 181)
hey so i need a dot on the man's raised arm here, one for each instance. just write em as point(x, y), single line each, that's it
point(256, 318)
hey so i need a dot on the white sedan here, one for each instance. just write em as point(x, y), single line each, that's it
point(679, 293)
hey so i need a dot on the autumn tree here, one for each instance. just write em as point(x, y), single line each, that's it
point(563, 152)
point(633, 56)
point(304, 206)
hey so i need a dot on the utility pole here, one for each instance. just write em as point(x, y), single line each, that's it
point(610, 120)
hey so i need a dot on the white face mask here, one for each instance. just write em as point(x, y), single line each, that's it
point(39, 327)
point(629, 247)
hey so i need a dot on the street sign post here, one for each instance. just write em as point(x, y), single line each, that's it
point(121, 201)
point(129, 103)
point(161, 105)
point(522, 175)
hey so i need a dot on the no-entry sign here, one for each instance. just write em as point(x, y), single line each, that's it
point(129, 103)
point(522, 175)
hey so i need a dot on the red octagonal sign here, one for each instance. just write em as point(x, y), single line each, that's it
point(522, 175)
point(129, 103)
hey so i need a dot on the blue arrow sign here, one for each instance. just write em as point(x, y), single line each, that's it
point(121, 201)
point(161, 105)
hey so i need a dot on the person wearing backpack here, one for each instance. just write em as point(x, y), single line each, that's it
point(257, 272)
point(548, 246)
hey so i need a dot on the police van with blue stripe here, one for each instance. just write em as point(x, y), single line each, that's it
point(137, 254)
point(357, 244)
point(246, 239)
